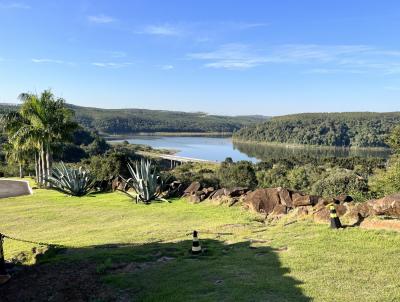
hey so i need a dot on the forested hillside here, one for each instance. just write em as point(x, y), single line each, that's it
point(125, 121)
point(351, 129)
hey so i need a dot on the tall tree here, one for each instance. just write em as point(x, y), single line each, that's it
point(42, 121)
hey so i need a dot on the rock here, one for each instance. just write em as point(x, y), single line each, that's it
point(4, 279)
point(304, 210)
point(262, 200)
point(208, 191)
point(323, 202)
point(322, 213)
point(285, 197)
point(236, 192)
point(279, 210)
point(344, 198)
point(197, 197)
point(300, 199)
point(217, 194)
point(115, 183)
point(194, 187)
point(174, 189)
point(388, 205)
point(122, 186)
point(363, 209)
point(212, 194)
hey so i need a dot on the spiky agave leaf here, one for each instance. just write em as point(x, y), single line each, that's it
point(72, 181)
point(144, 181)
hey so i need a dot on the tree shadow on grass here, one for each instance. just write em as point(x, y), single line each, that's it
point(156, 271)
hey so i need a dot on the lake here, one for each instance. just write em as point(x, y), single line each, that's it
point(219, 148)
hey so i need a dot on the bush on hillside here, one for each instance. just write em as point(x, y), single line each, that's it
point(386, 182)
point(341, 182)
point(203, 173)
point(239, 174)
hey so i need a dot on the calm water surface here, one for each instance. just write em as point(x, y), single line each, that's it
point(219, 148)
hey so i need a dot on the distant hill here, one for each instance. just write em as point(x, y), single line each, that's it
point(348, 129)
point(127, 121)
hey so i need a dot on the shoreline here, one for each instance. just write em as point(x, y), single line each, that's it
point(315, 147)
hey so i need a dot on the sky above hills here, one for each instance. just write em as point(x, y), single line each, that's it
point(223, 57)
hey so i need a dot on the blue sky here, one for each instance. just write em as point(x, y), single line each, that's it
point(219, 56)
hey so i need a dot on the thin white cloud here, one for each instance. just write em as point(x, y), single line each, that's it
point(101, 19)
point(321, 58)
point(392, 88)
point(14, 5)
point(334, 71)
point(111, 64)
point(118, 54)
point(245, 25)
point(167, 67)
point(160, 30)
point(48, 61)
point(230, 56)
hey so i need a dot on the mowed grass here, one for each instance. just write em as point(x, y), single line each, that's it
point(245, 260)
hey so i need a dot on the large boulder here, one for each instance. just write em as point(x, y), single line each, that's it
point(193, 187)
point(217, 194)
point(236, 192)
point(262, 200)
point(388, 205)
point(321, 211)
point(300, 199)
point(285, 197)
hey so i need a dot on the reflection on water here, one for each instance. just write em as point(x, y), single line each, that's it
point(219, 148)
point(268, 151)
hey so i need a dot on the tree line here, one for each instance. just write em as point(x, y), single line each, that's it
point(352, 129)
point(126, 121)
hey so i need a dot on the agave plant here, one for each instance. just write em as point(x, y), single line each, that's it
point(72, 181)
point(145, 181)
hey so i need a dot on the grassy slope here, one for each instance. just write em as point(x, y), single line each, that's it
point(319, 264)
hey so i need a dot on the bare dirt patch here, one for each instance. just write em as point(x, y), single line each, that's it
point(76, 282)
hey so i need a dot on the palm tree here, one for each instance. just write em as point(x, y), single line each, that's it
point(41, 122)
point(19, 154)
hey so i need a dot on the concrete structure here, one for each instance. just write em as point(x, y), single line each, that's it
point(11, 188)
point(174, 159)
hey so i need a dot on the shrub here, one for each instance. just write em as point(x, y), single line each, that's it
point(274, 177)
point(341, 182)
point(239, 174)
point(387, 181)
point(201, 172)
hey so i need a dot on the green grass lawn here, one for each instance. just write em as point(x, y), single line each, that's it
point(245, 260)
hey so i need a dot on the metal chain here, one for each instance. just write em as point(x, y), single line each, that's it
point(26, 241)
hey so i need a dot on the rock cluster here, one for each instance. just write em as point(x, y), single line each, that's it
point(386, 206)
point(280, 201)
point(197, 193)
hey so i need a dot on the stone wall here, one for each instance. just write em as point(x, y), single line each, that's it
point(11, 188)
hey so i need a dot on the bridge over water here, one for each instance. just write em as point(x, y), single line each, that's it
point(175, 159)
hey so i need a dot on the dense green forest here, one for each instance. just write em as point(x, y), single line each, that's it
point(126, 121)
point(349, 129)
